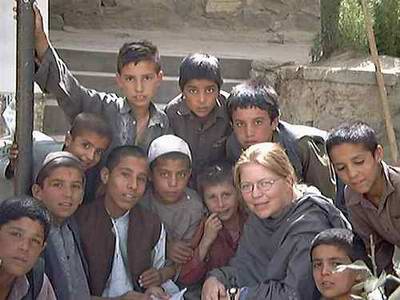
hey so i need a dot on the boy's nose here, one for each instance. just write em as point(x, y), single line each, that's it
point(139, 86)
point(172, 181)
point(249, 130)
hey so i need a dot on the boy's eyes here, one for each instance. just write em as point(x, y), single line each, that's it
point(239, 124)
point(258, 121)
point(210, 90)
point(192, 91)
point(142, 179)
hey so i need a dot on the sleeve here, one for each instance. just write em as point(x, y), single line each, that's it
point(54, 76)
point(159, 250)
point(383, 250)
point(195, 269)
point(317, 168)
point(47, 292)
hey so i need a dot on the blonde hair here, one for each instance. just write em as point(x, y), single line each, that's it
point(269, 155)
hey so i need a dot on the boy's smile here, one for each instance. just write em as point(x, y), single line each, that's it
point(358, 167)
point(139, 83)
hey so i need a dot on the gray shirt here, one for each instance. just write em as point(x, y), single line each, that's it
point(53, 76)
point(69, 264)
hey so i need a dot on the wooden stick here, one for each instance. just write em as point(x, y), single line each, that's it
point(381, 84)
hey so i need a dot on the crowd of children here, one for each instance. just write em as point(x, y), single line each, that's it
point(215, 195)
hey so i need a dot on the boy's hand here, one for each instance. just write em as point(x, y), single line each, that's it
point(211, 228)
point(41, 42)
point(157, 293)
point(150, 278)
point(179, 252)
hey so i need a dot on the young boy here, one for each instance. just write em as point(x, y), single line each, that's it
point(88, 139)
point(373, 187)
point(253, 107)
point(128, 256)
point(178, 207)
point(217, 236)
point(59, 186)
point(24, 227)
point(332, 248)
point(199, 114)
point(133, 119)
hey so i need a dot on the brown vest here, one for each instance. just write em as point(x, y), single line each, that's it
point(98, 242)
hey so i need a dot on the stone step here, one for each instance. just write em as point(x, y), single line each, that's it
point(105, 62)
point(55, 123)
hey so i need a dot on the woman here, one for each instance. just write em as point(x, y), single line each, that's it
point(272, 260)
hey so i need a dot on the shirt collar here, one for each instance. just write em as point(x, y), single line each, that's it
point(156, 116)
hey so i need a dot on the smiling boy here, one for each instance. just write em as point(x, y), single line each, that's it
point(59, 186)
point(133, 119)
point(118, 265)
point(24, 227)
point(373, 187)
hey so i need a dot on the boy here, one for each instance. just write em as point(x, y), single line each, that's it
point(59, 186)
point(88, 139)
point(373, 187)
point(199, 114)
point(332, 248)
point(134, 119)
point(24, 227)
point(217, 236)
point(178, 207)
point(253, 107)
point(128, 256)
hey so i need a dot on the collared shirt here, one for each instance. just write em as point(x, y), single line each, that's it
point(120, 282)
point(21, 286)
point(180, 218)
point(207, 138)
point(70, 262)
point(383, 222)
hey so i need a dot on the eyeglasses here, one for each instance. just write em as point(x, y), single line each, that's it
point(263, 185)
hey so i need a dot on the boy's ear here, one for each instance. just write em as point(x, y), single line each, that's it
point(378, 154)
point(118, 79)
point(68, 139)
point(160, 75)
point(275, 123)
point(104, 175)
point(36, 191)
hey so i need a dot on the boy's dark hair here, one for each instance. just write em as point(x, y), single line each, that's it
point(62, 161)
point(344, 239)
point(172, 156)
point(352, 133)
point(136, 52)
point(200, 66)
point(15, 208)
point(215, 174)
point(118, 153)
point(91, 122)
point(254, 93)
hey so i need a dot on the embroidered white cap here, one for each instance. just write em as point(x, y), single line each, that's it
point(167, 144)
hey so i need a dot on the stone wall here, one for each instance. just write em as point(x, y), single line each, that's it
point(269, 15)
point(325, 97)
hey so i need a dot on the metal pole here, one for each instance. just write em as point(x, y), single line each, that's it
point(24, 95)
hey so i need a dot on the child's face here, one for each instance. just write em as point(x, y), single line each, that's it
point(200, 96)
point(356, 166)
point(252, 126)
point(21, 242)
point(139, 83)
point(170, 178)
point(221, 199)
point(87, 146)
point(332, 285)
point(125, 184)
point(61, 192)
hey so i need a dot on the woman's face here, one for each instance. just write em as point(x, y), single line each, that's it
point(265, 193)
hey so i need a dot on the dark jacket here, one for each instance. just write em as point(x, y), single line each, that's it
point(143, 234)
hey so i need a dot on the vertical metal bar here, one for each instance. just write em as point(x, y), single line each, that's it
point(24, 95)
